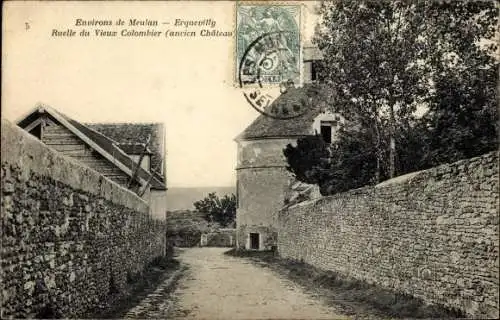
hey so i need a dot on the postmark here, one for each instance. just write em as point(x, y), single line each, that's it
point(281, 24)
point(259, 57)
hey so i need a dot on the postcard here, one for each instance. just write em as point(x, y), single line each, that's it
point(249, 159)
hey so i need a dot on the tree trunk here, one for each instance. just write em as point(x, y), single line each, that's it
point(392, 157)
point(378, 151)
point(392, 144)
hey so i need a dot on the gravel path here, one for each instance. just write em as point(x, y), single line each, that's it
point(217, 286)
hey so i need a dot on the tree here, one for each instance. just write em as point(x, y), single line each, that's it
point(371, 51)
point(462, 120)
point(348, 163)
point(382, 60)
point(309, 160)
point(385, 58)
point(219, 210)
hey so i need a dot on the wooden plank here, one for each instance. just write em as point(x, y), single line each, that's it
point(91, 143)
point(60, 133)
point(104, 169)
point(107, 172)
point(51, 141)
point(76, 153)
point(33, 125)
point(58, 130)
point(61, 136)
point(71, 147)
point(93, 160)
point(70, 144)
point(51, 135)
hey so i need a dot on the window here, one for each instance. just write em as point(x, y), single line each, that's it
point(327, 124)
point(326, 132)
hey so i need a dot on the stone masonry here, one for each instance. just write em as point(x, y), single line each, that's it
point(262, 181)
point(70, 237)
point(431, 234)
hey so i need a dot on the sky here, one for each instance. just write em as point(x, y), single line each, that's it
point(186, 83)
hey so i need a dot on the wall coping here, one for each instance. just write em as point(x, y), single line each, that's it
point(19, 148)
point(399, 180)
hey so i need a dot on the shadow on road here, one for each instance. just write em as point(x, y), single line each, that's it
point(352, 296)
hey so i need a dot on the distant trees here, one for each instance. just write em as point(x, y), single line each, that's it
point(384, 61)
point(219, 210)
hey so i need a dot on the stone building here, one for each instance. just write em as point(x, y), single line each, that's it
point(114, 150)
point(262, 178)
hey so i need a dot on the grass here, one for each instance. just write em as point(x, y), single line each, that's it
point(138, 287)
point(352, 295)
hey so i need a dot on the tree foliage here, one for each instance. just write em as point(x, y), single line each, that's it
point(384, 59)
point(371, 53)
point(417, 81)
point(219, 210)
point(309, 160)
point(462, 116)
point(335, 168)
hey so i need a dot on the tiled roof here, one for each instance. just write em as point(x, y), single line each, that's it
point(134, 134)
point(268, 127)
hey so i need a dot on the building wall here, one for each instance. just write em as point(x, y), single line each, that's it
point(262, 153)
point(70, 237)
point(158, 203)
point(432, 234)
point(262, 180)
point(261, 195)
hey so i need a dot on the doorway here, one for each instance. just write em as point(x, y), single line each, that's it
point(326, 132)
point(254, 241)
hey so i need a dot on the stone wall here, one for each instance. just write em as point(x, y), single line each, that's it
point(219, 238)
point(70, 237)
point(431, 234)
point(185, 227)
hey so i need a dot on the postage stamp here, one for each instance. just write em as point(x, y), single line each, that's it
point(268, 40)
point(252, 76)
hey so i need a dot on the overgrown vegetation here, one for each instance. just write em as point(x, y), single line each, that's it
point(221, 210)
point(353, 296)
point(415, 80)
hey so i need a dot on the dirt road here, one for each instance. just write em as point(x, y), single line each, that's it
point(222, 287)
